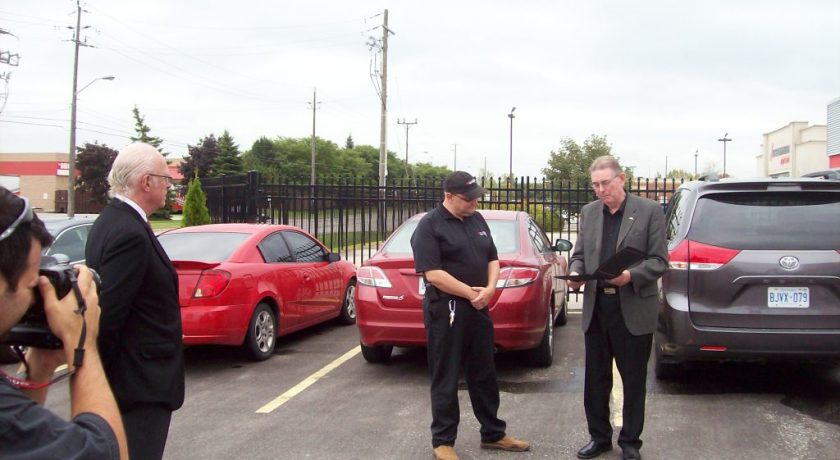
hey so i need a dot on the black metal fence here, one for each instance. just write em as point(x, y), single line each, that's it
point(354, 216)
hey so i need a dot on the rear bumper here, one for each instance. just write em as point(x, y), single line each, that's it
point(678, 339)
point(219, 324)
point(518, 320)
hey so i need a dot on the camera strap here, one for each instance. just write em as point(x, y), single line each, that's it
point(79, 352)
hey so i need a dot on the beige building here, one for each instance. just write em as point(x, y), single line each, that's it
point(793, 150)
point(37, 175)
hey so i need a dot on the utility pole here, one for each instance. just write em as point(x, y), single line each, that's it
point(666, 167)
point(695, 163)
point(383, 150)
point(724, 140)
point(510, 165)
point(314, 108)
point(71, 173)
point(407, 125)
point(455, 160)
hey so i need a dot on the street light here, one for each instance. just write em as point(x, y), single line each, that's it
point(71, 177)
point(510, 165)
point(695, 163)
point(724, 140)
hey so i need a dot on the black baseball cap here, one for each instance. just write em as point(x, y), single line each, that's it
point(463, 183)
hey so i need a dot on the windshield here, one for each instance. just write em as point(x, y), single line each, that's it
point(503, 231)
point(201, 247)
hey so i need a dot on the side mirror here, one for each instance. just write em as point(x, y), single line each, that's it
point(333, 257)
point(562, 245)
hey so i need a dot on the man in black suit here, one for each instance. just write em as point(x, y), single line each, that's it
point(619, 315)
point(140, 336)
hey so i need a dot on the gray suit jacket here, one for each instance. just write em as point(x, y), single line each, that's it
point(642, 227)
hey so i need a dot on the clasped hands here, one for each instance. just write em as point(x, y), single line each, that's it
point(483, 296)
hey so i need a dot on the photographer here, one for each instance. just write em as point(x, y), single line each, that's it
point(27, 430)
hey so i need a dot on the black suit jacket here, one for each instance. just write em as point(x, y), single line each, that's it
point(140, 336)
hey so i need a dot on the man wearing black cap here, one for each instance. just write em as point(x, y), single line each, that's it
point(454, 251)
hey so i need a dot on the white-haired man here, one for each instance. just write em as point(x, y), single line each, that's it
point(140, 335)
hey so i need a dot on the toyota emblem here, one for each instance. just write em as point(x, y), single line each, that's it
point(789, 262)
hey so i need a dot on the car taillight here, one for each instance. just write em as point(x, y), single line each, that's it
point(372, 276)
point(516, 276)
point(211, 283)
point(698, 256)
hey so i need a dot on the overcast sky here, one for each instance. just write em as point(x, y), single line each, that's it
point(658, 78)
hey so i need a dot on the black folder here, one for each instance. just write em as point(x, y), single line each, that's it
point(612, 267)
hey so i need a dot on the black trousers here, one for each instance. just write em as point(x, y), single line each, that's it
point(608, 338)
point(146, 427)
point(467, 344)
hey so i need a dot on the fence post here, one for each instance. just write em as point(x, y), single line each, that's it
point(251, 192)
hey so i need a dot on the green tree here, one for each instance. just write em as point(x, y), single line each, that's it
point(142, 130)
point(228, 162)
point(680, 174)
point(195, 205)
point(199, 161)
point(94, 162)
point(348, 143)
point(262, 156)
point(570, 164)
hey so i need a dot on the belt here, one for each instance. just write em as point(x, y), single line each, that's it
point(608, 290)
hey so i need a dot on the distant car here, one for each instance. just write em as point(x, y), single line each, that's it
point(829, 174)
point(246, 284)
point(528, 303)
point(70, 236)
point(753, 273)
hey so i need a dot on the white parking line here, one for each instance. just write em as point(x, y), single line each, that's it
point(307, 382)
point(617, 398)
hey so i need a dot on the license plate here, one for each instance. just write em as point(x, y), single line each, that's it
point(421, 288)
point(788, 297)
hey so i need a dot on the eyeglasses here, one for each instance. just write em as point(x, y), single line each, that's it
point(168, 178)
point(24, 217)
point(464, 198)
point(603, 183)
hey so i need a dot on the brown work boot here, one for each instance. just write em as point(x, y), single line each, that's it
point(445, 453)
point(507, 443)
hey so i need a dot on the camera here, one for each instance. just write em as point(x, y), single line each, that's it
point(33, 330)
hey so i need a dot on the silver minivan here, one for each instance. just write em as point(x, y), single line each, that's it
point(754, 273)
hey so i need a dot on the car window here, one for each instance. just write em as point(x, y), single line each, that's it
point(538, 237)
point(676, 213)
point(781, 220)
point(505, 235)
point(400, 242)
point(71, 242)
point(274, 249)
point(201, 246)
point(305, 249)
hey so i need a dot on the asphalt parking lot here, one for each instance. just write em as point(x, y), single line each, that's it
point(317, 398)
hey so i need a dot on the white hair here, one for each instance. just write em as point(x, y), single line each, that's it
point(131, 163)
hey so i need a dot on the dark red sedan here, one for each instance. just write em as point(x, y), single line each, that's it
point(246, 284)
point(528, 303)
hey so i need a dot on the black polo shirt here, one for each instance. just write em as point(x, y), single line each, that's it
point(609, 235)
point(461, 248)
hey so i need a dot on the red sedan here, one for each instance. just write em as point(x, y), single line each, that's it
point(246, 284)
point(528, 303)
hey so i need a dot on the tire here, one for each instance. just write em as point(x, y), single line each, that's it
point(348, 305)
point(377, 354)
point(563, 317)
point(665, 370)
point(262, 333)
point(543, 355)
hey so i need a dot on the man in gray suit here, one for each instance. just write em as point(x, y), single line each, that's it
point(619, 314)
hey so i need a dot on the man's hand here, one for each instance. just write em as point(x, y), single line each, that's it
point(621, 279)
point(62, 314)
point(482, 299)
point(574, 285)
